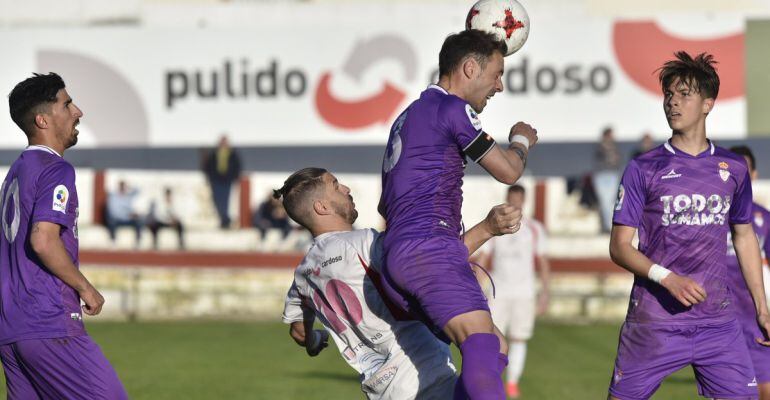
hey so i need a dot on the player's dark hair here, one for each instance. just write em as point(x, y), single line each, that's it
point(746, 152)
point(697, 73)
point(30, 97)
point(296, 190)
point(474, 43)
point(516, 189)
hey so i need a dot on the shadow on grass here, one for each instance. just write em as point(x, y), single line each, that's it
point(337, 376)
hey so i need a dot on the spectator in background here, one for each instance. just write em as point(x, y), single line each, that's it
point(120, 211)
point(222, 167)
point(163, 215)
point(271, 215)
point(606, 176)
point(645, 144)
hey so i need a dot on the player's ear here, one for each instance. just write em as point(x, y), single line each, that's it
point(470, 67)
point(41, 122)
point(708, 105)
point(320, 207)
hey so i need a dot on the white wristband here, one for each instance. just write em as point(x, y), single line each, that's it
point(520, 139)
point(657, 273)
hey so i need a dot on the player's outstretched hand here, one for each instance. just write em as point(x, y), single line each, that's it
point(503, 219)
point(524, 129)
point(93, 300)
point(764, 324)
point(317, 341)
point(684, 289)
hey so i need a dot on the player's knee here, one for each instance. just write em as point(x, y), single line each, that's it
point(465, 325)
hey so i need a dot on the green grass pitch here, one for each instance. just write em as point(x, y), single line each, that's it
point(226, 360)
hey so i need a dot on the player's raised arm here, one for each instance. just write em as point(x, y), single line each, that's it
point(502, 219)
point(46, 243)
point(508, 164)
point(747, 250)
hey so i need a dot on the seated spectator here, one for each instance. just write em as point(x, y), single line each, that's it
point(163, 215)
point(120, 211)
point(271, 215)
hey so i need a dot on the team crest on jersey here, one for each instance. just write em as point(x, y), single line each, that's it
point(60, 197)
point(759, 220)
point(621, 196)
point(723, 172)
point(473, 117)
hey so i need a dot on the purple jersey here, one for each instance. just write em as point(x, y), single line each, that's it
point(35, 304)
point(683, 206)
point(744, 304)
point(423, 166)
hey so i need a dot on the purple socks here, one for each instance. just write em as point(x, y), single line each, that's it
point(482, 365)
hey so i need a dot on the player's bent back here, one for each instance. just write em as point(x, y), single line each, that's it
point(340, 281)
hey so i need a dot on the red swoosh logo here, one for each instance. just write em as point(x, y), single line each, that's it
point(356, 114)
point(642, 47)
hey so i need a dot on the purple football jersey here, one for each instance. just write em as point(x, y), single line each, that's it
point(744, 304)
point(423, 166)
point(35, 304)
point(682, 206)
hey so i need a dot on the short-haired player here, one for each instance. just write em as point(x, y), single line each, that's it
point(339, 282)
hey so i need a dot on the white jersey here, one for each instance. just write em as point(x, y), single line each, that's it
point(513, 259)
point(339, 280)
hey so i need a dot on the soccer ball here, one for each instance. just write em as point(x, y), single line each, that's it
point(507, 19)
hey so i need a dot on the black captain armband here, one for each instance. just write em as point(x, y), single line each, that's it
point(479, 147)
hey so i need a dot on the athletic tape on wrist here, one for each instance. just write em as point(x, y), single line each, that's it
point(657, 273)
point(520, 139)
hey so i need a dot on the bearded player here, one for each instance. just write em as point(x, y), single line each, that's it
point(44, 347)
point(426, 263)
point(339, 281)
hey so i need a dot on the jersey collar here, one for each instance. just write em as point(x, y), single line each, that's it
point(671, 149)
point(41, 147)
point(437, 87)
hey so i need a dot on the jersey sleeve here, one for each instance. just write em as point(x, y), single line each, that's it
point(292, 306)
point(55, 188)
point(629, 205)
point(742, 205)
point(465, 128)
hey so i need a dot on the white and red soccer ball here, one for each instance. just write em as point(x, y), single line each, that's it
point(506, 19)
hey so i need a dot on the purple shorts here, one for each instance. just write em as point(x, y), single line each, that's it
point(760, 355)
point(62, 368)
point(648, 353)
point(431, 279)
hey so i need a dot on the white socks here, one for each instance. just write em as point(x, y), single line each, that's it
point(517, 353)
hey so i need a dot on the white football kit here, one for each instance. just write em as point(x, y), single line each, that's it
point(339, 280)
point(513, 273)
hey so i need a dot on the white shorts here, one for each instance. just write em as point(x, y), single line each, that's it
point(515, 317)
point(399, 379)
